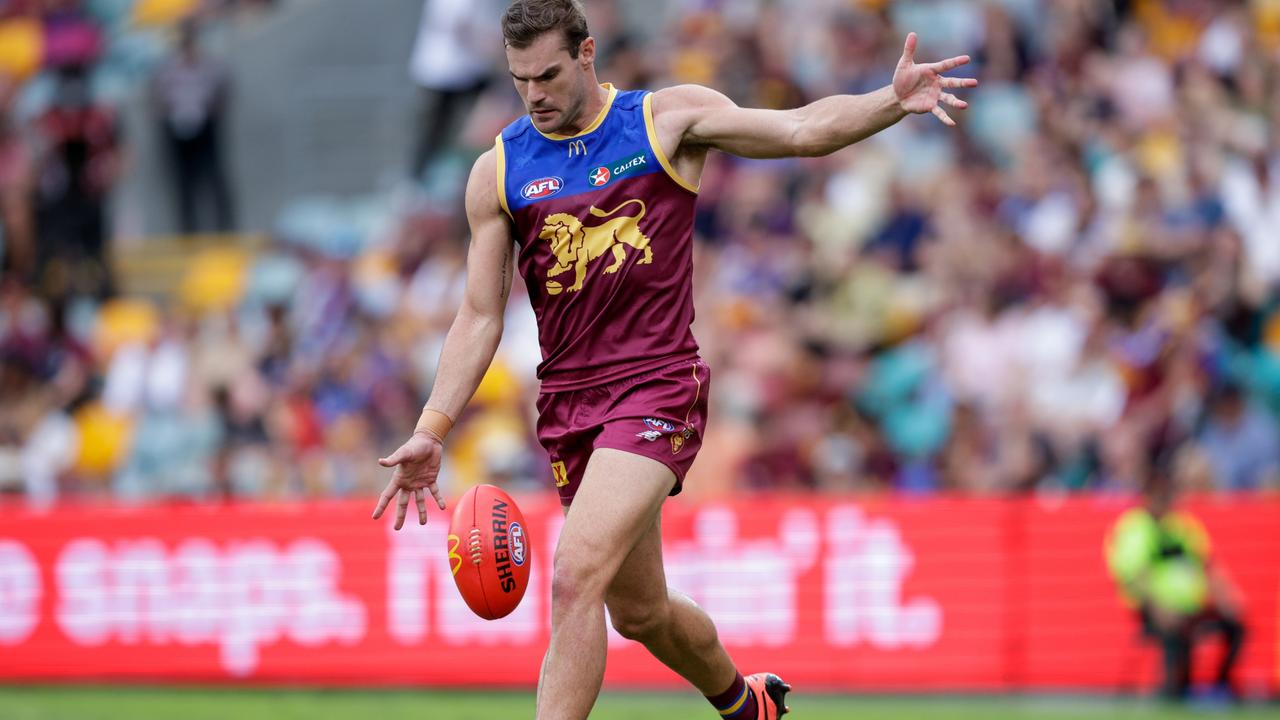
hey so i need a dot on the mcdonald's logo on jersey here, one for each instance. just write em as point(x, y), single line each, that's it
point(577, 147)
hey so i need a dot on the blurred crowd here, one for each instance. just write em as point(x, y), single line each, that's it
point(1077, 289)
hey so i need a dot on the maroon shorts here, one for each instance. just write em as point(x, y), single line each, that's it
point(660, 414)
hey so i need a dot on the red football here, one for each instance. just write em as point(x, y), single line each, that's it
point(489, 551)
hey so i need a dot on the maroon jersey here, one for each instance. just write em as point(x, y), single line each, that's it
point(605, 228)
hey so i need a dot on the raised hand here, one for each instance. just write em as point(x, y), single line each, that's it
point(921, 88)
point(417, 465)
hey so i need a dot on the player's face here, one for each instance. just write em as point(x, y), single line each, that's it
point(553, 86)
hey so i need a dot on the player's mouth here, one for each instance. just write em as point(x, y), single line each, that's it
point(543, 113)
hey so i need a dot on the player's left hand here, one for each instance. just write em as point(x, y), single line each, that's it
point(920, 88)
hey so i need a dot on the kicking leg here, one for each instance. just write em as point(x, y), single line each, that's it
point(669, 624)
point(619, 499)
point(679, 633)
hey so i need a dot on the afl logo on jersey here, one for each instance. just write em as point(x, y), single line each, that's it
point(599, 176)
point(541, 188)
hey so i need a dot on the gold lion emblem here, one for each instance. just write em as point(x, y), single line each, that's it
point(575, 245)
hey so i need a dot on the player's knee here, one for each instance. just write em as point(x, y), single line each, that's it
point(639, 622)
point(574, 580)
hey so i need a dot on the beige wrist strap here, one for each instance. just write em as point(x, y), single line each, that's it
point(434, 422)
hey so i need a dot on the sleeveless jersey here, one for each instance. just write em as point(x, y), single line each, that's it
point(605, 228)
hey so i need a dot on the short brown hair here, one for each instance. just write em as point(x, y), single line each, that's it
point(527, 20)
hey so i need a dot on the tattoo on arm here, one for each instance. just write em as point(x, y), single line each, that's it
point(506, 262)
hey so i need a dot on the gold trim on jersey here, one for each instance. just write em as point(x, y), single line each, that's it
point(608, 103)
point(657, 147)
point(501, 152)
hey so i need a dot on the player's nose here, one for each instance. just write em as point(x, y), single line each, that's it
point(537, 94)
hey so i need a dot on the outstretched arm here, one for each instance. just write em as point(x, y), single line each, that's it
point(704, 117)
point(468, 348)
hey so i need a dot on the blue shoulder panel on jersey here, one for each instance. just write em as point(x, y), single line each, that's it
point(613, 148)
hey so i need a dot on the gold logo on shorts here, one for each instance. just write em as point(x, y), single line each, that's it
point(677, 439)
point(559, 473)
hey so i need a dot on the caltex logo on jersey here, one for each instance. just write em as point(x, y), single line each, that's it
point(541, 188)
point(612, 171)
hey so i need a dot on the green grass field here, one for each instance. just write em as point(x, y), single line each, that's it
point(81, 703)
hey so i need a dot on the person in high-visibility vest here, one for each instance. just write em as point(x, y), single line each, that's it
point(1160, 559)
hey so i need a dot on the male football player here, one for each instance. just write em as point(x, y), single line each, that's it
point(596, 189)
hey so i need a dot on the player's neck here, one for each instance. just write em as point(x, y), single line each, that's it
point(590, 111)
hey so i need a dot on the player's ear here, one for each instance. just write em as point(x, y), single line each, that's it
point(587, 52)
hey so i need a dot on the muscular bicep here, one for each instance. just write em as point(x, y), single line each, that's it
point(490, 259)
point(705, 117)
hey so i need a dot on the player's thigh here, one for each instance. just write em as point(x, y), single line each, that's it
point(617, 503)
